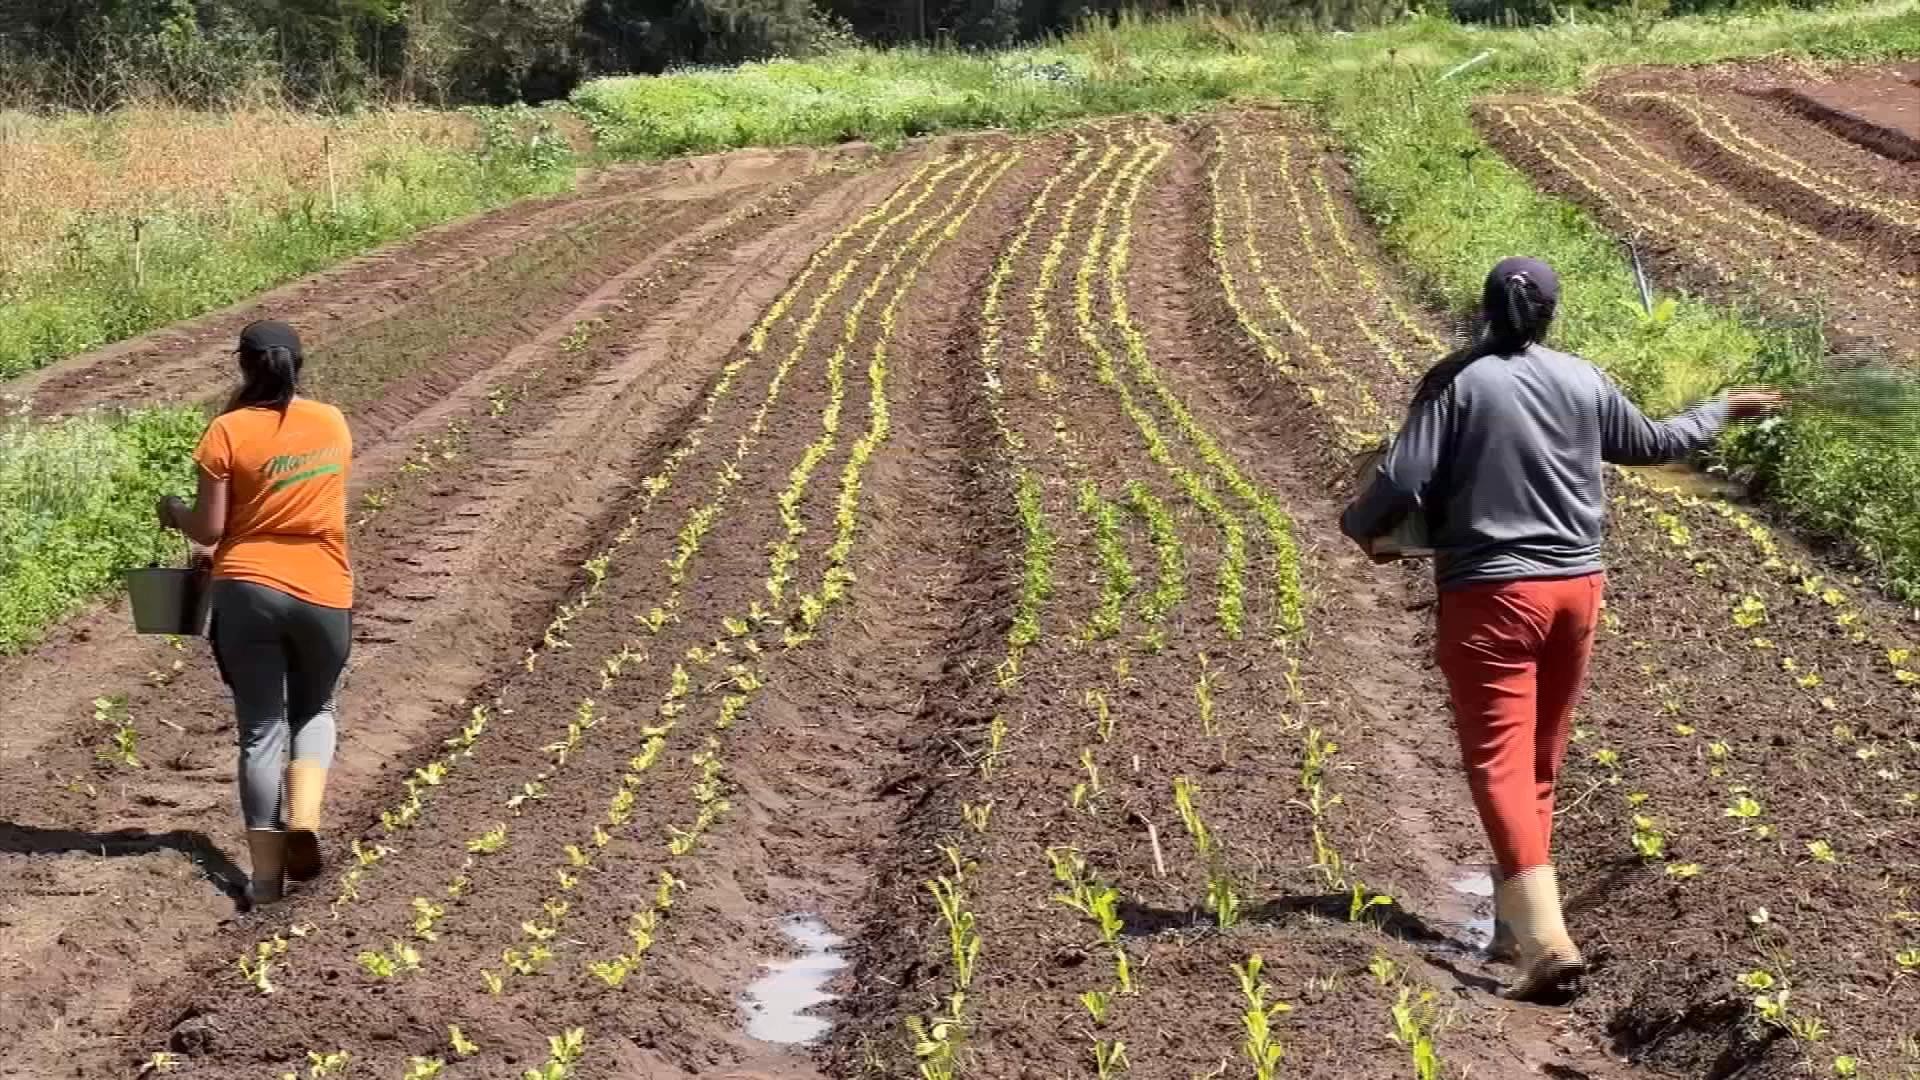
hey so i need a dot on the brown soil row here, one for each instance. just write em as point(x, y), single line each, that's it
point(191, 360)
point(1705, 232)
point(479, 528)
point(1022, 1010)
point(1823, 182)
point(328, 1002)
point(1879, 111)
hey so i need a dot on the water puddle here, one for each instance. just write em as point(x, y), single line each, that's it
point(1477, 887)
point(777, 1003)
point(1691, 481)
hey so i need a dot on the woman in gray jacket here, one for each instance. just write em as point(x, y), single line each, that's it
point(1503, 451)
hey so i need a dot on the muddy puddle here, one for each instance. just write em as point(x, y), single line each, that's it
point(1691, 481)
point(1476, 893)
point(779, 1004)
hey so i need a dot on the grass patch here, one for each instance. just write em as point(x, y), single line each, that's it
point(78, 498)
point(110, 251)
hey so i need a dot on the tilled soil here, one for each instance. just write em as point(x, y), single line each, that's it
point(941, 544)
point(1723, 189)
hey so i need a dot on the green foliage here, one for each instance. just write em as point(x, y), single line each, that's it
point(190, 263)
point(78, 498)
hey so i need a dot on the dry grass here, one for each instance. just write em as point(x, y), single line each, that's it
point(140, 161)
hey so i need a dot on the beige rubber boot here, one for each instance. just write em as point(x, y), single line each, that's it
point(1550, 965)
point(306, 784)
point(267, 850)
point(1503, 949)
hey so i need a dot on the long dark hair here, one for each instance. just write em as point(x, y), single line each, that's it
point(1517, 304)
point(270, 363)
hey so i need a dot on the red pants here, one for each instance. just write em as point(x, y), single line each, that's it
point(1515, 656)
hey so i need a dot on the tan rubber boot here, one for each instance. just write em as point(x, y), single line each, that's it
point(306, 784)
point(1503, 949)
point(1550, 965)
point(267, 850)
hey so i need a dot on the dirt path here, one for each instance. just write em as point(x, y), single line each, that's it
point(942, 549)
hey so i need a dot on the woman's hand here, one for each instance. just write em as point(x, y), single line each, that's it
point(170, 510)
point(1754, 402)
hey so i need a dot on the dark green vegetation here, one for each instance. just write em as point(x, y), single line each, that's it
point(97, 53)
point(78, 499)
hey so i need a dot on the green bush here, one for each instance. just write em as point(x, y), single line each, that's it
point(78, 498)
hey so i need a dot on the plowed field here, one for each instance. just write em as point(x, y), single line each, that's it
point(1734, 184)
point(940, 544)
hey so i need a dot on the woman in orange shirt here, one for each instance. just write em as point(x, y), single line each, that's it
point(272, 504)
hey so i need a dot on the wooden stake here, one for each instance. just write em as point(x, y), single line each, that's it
point(333, 189)
point(139, 255)
point(1152, 840)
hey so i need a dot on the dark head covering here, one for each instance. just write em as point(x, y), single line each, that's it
point(1493, 298)
point(1518, 301)
point(266, 334)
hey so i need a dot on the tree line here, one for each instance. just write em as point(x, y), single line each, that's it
point(347, 53)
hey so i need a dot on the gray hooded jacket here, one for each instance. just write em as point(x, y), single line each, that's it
point(1508, 464)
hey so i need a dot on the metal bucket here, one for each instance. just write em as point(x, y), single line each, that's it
point(169, 601)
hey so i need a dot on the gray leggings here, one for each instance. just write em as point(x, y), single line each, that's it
point(281, 657)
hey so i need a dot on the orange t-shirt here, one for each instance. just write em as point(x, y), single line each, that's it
point(286, 499)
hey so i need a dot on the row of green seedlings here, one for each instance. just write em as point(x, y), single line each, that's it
point(787, 549)
point(1282, 169)
point(257, 964)
point(1649, 839)
point(1317, 752)
point(703, 519)
point(887, 217)
point(1416, 1015)
point(708, 790)
point(1038, 541)
point(837, 575)
point(1230, 608)
point(1717, 127)
point(1362, 264)
point(1738, 262)
point(1704, 197)
point(1099, 904)
point(1289, 602)
point(936, 1039)
point(1039, 302)
point(1701, 193)
point(727, 668)
point(532, 953)
point(1352, 431)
